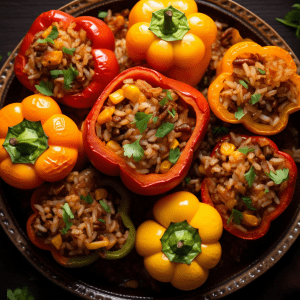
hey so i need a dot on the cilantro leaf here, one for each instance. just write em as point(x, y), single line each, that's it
point(155, 119)
point(56, 73)
point(163, 101)
point(266, 191)
point(187, 180)
point(250, 176)
point(69, 76)
point(164, 129)
point(236, 215)
point(67, 214)
point(220, 130)
point(174, 155)
point(105, 206)
point(239, 113)
point(172, 113)
point(46, 40)
point(0, 57)
point(88, 199)
point(69, 51)
point(280, 175)
point(245, 150)
point(248, 202)
point(243, 83)
point(8, 53)
point(166, 99)
point(53, 34)
point(141, 120)
point(101, 220)
point(19, 294)
point(261, 71)
point(45, 88)
point(255, 98)
point(102, 14)
point(169, 96)
point(292, 19)
point(135, 150)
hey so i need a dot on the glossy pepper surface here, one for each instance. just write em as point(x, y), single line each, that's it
point(60, 151)
point(103, 44)
point(184, 57)
point(285, 196)
point(108, 162)
point(175, 209)
point(225, 70)
point(81, 261)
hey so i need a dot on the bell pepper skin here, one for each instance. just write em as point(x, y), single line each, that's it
point(53, 164)
point(103, 45)
point(285, 195)
point(111, 164)
point(82, 261)
point(225, 70)
point(179, 207)
point(185, 60)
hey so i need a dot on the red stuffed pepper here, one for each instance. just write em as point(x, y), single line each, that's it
point(250, 182)
point(69, 58)
point(145, 127)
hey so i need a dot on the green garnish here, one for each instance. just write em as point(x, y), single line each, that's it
point(174, 155)
point(166, 99)
point(8, 53)
point(19, 294)
point(88, 199)
point(266, 191)
point(52, 36)
point(250, 176)
point(102, 14)
point(255, 98)
point(141, 120)
point(45, 88)
point(155, 119)
point(172, 113)
point(69, 76)
point(243, 83)
point(239, 113)
point(248, 202)
point(164, 129)
point(163, 101)
point(245, 150)
point(105, 206)
point(236, 215)
point(101, 220)
point(55, 73)
point(187, 180)
point(220, 130)
point(169, 96)
point(261, 71)
point(69, 51)
point(0, 57)
point(135, 150)
point(280, 175)
point(67, 214)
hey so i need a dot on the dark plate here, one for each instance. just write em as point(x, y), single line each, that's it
point(231, 274)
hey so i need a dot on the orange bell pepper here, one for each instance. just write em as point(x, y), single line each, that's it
point(225, 71)
point(182, 56)
point(22, 163)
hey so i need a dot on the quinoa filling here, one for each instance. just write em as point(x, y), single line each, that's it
point(147, 126)
point(61, 60)
point(260, 86)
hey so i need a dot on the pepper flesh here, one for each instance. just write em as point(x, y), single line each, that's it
point(179, 207)
point(103, 45)
point(285, 196)
point(111, 164)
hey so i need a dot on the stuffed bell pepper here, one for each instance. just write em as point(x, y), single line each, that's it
point(69, 58)
point(250, 182)
point(145, 127)
point(182, 244)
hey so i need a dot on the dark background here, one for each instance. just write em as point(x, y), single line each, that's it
point(282, 281)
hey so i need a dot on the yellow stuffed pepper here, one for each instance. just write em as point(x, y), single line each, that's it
point(172, 37)
point(183, 244)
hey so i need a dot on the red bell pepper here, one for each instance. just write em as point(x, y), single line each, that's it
point(111, 164)
point(285, 196)
point(103, 45)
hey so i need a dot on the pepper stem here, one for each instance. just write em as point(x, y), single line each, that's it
point(168, 21)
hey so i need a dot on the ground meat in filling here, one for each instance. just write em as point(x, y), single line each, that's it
point(260, 86)
point(68, 52)
point(155, 117)
point(229, 173)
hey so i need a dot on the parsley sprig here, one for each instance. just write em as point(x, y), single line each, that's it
point(141, 120)
point(45, 88)
point(245, 150)
point(280, 175)
point(174, 155)
point(69, 76)
point(164, 129)
point(218, 130)
point(135, 150)
point(88, 199)
point(236, 215)
point(239, 113)
point(67, 214)
point(166, 99)
point(250, 176)
point(19, 294)
point(248, 202)
point(51, 37)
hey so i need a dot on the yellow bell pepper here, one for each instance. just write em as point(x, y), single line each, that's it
point(172, 37)
point(183, 243)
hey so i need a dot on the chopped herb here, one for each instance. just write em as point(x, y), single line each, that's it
point(67, 214)
point(280, 175)
point(172, 113)
point(169, 96)
point(46, 40)
point(88, 199)
point(248, 202)
point(8, 53)
point(69, 76)
point(135, 150)
point(45, 88)
point(55, 73)
point(52, 36)
point(164, 129)
point(187, 180)
point(141, 120)
point(174, 155)
point(245, 150)
point(250, 176)
point(243, 83)
point(101, 220)
point(220, 130)
point(19, 294)
point(266, 191)
point(163, 101)
point(261, 71)
point(0, 57)
point(166, 99)
point(102, 14)
point(236, 215)
point(105, 206)
point(239, 113)
point(155, 119)
point(255, 98)
point(69, 51)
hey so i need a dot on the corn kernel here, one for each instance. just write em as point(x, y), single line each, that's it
point(174, 144)
point(142, 98)
point(47, 32)
point(97, 244)
point(201, 169)
point(106, 115)
point(250, 220)
point(52, 58)
point(132, 93)
point(236, 156)
point(165, 166)
point(113, 145)
point(117, 96)
point(227, 148)
point(100, 194)
point(231, 203)
point(57, 241)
